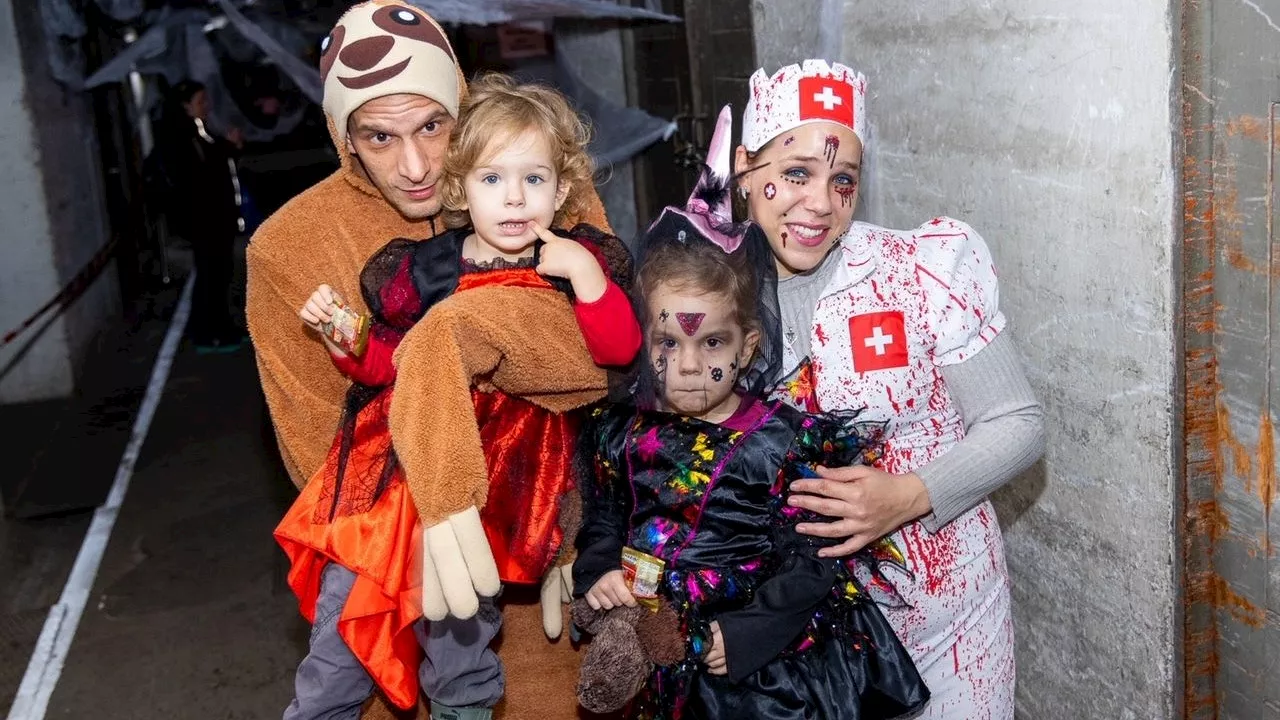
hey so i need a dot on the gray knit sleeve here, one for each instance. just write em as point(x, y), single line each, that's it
point(1004, 432)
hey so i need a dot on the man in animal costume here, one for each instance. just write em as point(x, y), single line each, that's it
point(392, 88)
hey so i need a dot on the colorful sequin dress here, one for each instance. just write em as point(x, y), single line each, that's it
point(803, 635)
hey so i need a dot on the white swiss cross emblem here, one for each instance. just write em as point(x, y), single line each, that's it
point(828, 99)
point(879, 340)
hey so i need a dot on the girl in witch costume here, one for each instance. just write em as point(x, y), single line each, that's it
point(687, 503)
point(516, 153)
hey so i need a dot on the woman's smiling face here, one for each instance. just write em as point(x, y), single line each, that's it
point(802, 190)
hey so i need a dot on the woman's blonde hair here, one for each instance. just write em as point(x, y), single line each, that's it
point(497, 108)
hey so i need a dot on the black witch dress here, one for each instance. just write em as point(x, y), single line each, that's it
point(803, 635)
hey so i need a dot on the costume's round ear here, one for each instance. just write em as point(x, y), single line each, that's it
point(562, 192)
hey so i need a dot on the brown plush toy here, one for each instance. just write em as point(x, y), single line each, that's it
point(627, 643)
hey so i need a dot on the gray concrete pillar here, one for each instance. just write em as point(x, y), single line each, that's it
point(53, 215)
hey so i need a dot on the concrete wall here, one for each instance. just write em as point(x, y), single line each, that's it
point(1049, 127)
point(38, 365)
point(54, 216)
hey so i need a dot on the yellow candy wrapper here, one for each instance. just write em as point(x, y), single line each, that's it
point(643, 574)
point(348, 330)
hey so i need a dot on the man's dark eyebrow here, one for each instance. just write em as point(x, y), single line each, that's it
point(369, 128)
point(365, 128)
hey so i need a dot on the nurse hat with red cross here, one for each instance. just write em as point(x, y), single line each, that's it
point(800, 94)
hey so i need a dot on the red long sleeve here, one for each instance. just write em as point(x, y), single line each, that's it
point(374, 368)
point(609, 326)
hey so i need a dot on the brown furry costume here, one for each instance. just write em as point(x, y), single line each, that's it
point(325, 235)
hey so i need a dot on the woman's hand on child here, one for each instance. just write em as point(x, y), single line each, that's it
point(568, 259)
point(610, 591)
point(715, 660)
point(870, 503)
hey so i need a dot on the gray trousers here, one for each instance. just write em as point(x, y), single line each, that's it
point(460, 670)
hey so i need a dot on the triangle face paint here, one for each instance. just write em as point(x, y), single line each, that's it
point(690, 322)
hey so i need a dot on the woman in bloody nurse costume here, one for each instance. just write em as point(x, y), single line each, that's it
point(906, 324)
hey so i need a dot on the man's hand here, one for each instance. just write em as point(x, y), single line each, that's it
point(557, 590)
point(716, 662)
point(609, 592)
point(568, 259)
point(457, 567)
point(871, 504)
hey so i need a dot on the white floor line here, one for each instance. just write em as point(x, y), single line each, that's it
point(50, 653)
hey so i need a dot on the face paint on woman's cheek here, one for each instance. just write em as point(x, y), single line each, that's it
point(789, 140)
point(847, 194)
point(770, 190)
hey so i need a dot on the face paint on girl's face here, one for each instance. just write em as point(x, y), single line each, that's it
point(689, 322)
point(692, 381)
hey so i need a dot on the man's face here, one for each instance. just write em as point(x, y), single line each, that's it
point(400, 143)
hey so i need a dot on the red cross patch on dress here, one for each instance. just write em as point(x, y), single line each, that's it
point(826, 98)
point(879, 341)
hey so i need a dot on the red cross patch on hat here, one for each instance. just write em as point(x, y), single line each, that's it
point(879, 341)
point(826, 98)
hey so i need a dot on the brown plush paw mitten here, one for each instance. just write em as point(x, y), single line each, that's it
point(615, 666)
point(660, 635)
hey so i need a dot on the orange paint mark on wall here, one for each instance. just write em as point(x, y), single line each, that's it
point(1241, 463)
point(1209, 521)
point(1250, 126)
point(1235, 604)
